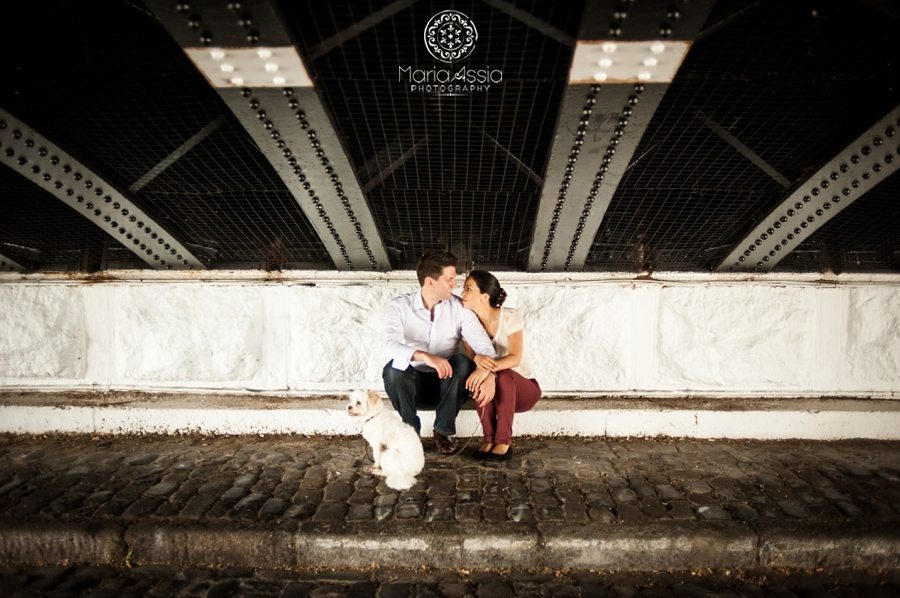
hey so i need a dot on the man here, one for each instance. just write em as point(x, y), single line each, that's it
point(423, 330)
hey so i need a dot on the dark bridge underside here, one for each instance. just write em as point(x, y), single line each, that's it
point(769, 92)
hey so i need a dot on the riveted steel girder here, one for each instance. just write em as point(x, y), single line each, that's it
point(867, 161)
point(584, 175)
point(38, 159)
point(605, 112)
point(246, 53)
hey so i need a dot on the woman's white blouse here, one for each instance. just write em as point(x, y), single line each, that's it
point(511, 321)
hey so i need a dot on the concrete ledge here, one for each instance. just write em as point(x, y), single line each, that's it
point(692, 417)
point(612, 548)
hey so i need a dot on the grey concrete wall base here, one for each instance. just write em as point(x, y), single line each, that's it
point(127, 412)
point(829, 546)
point(650, 547)
point(222, 545)
point(54, 543)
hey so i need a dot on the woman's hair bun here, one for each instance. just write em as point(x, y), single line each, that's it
point(501, 297)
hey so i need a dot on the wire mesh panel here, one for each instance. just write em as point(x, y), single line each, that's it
point(108, 84)
point(685, 193)
point(773, 90)
point(457, 171)
point(225, 197)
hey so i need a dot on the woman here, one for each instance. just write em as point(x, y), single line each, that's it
point(502, 386)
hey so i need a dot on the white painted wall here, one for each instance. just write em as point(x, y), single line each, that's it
point(307, 332)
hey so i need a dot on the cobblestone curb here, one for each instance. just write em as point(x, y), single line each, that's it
point(611, 548)
point(654, 547)
point(50, 543)
point(829, 546)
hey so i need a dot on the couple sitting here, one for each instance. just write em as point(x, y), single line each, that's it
point(425, 369)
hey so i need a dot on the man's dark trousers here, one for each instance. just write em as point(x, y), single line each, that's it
point(410, 388)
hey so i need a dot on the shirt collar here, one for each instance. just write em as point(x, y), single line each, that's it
point(419, 303)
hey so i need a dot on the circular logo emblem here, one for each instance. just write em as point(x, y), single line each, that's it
point(450, 35)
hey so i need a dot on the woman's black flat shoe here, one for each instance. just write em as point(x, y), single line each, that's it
point(504, 457)
point(482, 455)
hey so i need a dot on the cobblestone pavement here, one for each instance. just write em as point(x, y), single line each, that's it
point(99, 582)
point(562, 504)
point(572, 480)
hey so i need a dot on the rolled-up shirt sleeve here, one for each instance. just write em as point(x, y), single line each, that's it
point(474, 334)
point(395, 348)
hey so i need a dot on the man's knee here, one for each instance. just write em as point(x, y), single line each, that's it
point(461, 364)
point(392, 375)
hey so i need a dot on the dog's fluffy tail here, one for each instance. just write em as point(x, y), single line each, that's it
point(401, 466)
point(400, 482)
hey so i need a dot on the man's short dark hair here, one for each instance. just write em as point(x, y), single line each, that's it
point(432, 264)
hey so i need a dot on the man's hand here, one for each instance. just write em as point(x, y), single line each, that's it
point(440, 365)
point(484, 394)
point(485, 363)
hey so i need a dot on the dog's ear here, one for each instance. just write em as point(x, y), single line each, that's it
point(373, 398)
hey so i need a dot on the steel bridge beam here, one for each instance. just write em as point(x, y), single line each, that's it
point(532, 21)
point(245, 52)
point(375, 176)
point(625, 58)
point(867, 161)
point(361, 26)
point(44, 163)
point(742, 149)
point(176, 155)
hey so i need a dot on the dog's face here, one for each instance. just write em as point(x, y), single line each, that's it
point(362, 402)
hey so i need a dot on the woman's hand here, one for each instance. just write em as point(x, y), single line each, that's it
point(475, 380)
point(484, 394)
point(485, 363)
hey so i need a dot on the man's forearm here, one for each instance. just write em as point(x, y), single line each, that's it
point(398, 352)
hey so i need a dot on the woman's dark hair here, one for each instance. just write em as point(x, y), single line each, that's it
point(488, 283)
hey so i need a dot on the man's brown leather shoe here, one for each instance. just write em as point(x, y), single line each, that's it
point(443, 444)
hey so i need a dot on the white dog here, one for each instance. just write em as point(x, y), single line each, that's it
point(395, 445)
